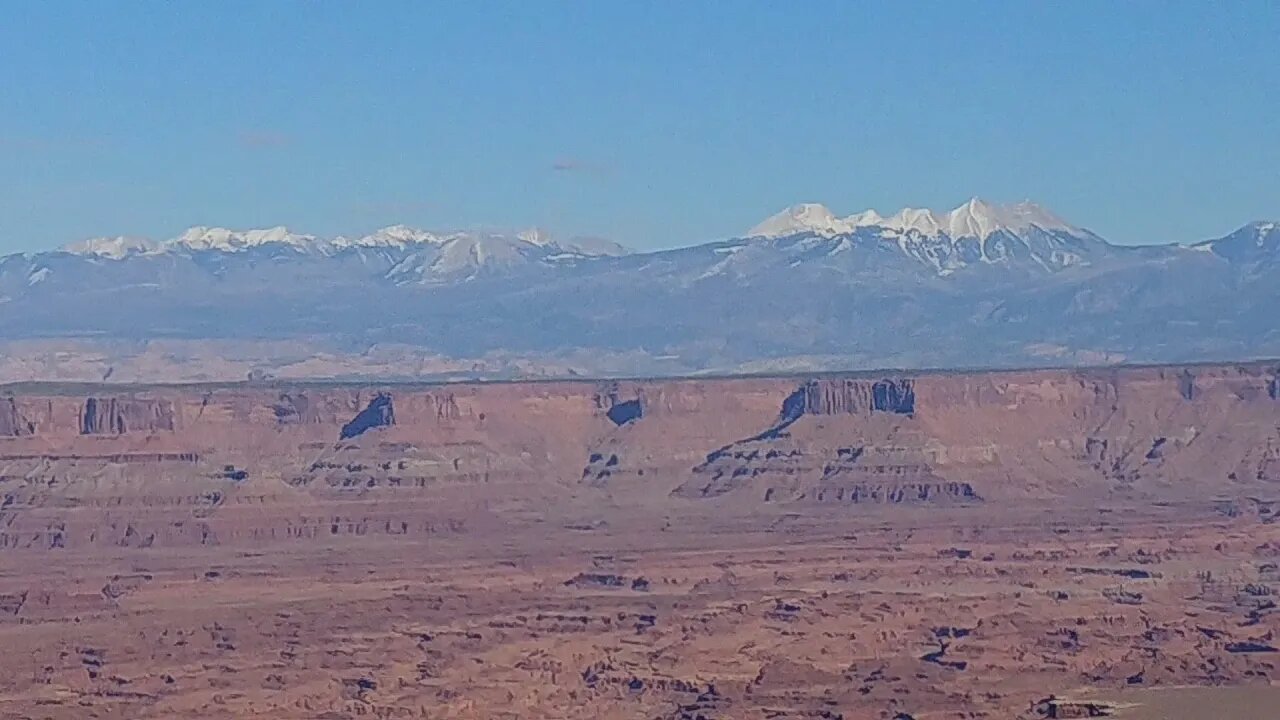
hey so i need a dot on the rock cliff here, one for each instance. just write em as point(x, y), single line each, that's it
point(203, 464)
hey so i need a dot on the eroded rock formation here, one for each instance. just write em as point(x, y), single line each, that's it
point(380, 412)
point(933, 439)
point(883, 545)
point(12, 422)
point(117, 416)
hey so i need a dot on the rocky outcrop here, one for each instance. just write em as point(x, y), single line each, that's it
point(378, 413)
point(853, 397)
point(297, 408)
point(895, 493)
point(931, 439)
point(779, 468)
point(12, 422)
point(894, 396)
point(618, 410)
point(1062, 709)
point(117, 416)
point(600, 467)
point(626, 411)
point(1187, 385)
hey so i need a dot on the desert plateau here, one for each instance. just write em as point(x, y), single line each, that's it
point(890, 545)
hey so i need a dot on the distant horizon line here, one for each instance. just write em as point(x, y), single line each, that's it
point(1264, 363)
point(510, 232)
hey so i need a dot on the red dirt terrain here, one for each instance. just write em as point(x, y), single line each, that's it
point(892, 545)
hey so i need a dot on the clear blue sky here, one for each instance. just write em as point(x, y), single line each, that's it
point(653, 123)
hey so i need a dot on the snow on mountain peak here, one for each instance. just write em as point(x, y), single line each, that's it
point(461, 247)
point(222, 239)
point(1262, 228)
point(535, 236)
point(975, 218)
point(866, 218)
point(114, 248)
point(805, 217)
point(398, 236)
point(1255, 241)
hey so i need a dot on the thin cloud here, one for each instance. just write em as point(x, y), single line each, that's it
point(263, 139)
point(576, 165)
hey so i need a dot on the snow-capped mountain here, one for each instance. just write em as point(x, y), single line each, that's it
point(224, 240)
point(982, 284)
point(194, 239)
point(113, 248)
point(975, 232)
point(396, 236)
point(413, 254)
point(1255, 242)
point(975, 218)
point(459, 255)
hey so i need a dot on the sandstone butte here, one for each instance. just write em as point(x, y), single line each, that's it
point(895, 545)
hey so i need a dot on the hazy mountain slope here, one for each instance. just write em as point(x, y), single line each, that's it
point(979, 285)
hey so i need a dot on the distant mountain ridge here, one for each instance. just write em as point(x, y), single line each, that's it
point(975, 218)
point(982, 284)
point(398, 236)
point(974, 232)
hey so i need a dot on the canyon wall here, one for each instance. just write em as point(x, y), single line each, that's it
point(134, 466)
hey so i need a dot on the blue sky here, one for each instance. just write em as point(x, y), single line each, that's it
point(653, 123)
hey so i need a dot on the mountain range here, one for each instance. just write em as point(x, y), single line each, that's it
point(804, 290)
